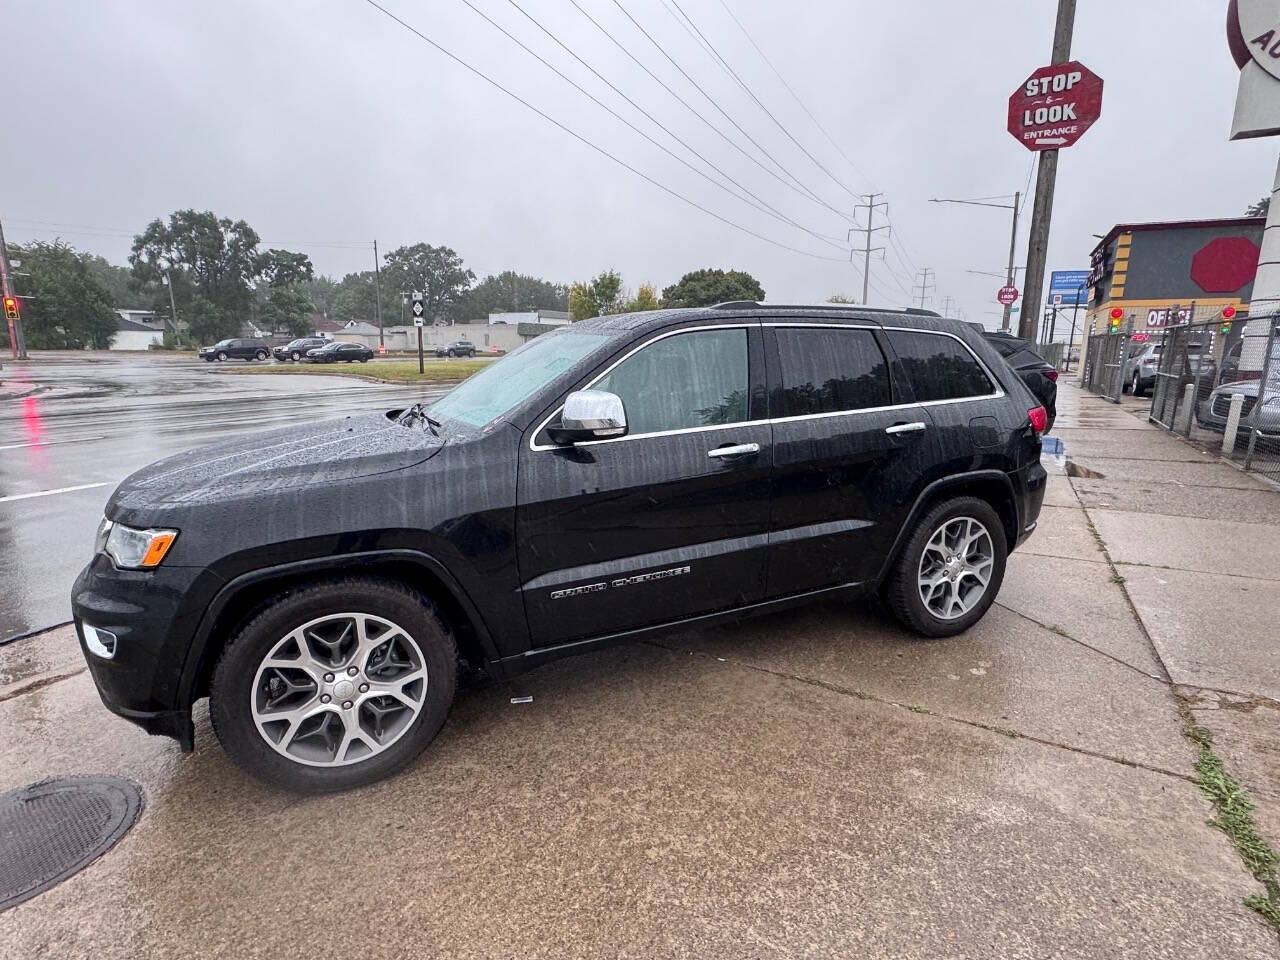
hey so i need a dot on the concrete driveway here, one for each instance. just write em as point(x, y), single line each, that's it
point(812, 784)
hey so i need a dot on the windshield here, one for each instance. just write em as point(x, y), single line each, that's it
point(508, 382)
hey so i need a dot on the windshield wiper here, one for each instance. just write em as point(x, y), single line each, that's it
point(419, 412)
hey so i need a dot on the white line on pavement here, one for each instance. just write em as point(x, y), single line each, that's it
point(46, 493)
point(45, 443)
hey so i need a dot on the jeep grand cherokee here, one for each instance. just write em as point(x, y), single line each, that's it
point(609, 479)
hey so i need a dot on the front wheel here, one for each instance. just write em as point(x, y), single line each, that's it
point(1136, 388)
point(222, 356)
point(334, 685)
point(296, 356)
point(950, 570)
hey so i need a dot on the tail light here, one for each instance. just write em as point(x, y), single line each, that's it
point(1039, 419)
point(1051, 373)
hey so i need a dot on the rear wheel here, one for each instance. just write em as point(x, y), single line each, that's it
point(334, 685)
point(1136, 388)
point(260, 355)
point(950, 570)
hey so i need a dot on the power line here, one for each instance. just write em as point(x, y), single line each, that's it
point(711, 100)
point(778, 123)
point(924, 286)
point(583, 140)
point(760, 203)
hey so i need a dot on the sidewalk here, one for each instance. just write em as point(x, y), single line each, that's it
point(1197, 543)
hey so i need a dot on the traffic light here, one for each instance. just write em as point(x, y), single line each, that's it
point(1228, 312)
point(11, 308)
point(1116, 316)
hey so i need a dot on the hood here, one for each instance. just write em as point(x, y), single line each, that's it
point(1249, 388)
point(263, 464)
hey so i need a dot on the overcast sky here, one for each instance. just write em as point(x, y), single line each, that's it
point(325, 124)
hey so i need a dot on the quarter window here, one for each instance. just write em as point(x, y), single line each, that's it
point(693, 379)
point(939, 367)
point(826, 370)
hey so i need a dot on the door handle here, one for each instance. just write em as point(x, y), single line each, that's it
point(737, 450)
point(904, 428)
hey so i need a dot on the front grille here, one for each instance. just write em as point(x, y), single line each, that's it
point(1222, 405)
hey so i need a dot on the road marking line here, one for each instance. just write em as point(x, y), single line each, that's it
point(46, 443)
point(46, 493)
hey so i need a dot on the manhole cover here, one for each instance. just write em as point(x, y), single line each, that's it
point(54, 829)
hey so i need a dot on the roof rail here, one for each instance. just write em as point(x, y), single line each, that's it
point(735, 305)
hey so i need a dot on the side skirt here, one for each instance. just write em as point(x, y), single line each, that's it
point(523, 662)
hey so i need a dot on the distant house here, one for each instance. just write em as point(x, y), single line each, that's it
point(552, 318)
point(136, 335)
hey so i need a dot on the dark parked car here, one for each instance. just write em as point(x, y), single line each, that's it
point(340, 352)
point(1040, 376)
point(608, 480)
point(459, 348)
point(236, 349)
point(297, 349)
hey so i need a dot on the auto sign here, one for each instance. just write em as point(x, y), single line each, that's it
point(1055, 106)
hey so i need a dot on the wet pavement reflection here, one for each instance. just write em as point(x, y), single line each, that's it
point(94, 420)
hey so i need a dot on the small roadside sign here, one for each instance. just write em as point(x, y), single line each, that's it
point(418, 318)
point(1006, 295)
point(417, 321)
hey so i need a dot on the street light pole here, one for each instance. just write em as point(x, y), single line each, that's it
point(1013, 240)
point(377, 298)
point(17, 342)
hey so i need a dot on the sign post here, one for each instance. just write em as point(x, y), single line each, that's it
point(418, 316)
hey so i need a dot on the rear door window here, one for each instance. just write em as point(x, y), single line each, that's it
point(939, 367)
point(828, 370)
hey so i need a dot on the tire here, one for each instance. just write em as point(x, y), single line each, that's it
point(1137, 388)
point(260, 355)
point(295, 356)
point(903, 589)
point(452, 353)
point(222, 356)
point(240, 686)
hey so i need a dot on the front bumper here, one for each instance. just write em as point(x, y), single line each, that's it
point(153, 616)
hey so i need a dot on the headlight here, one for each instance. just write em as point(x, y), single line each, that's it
point(135, 549)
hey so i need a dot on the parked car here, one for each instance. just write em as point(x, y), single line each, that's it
point(608, 480)
point(458, 348)
point(295, 350)
point(235, 349)
point(339, 351)
point(1040, 376)
point(1143, 364)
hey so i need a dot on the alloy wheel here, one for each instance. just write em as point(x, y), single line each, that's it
point(339, 689)
point(955, 568)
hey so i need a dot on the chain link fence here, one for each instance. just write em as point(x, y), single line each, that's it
point(1105, 359)
point(1218, 384)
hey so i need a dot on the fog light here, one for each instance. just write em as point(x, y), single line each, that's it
point(101, 643)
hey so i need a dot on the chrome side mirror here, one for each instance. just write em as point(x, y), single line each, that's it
point(590, 415)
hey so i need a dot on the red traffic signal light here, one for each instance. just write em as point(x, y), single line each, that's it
point(1228, 312)
point(1116, 314)
point(11, 308)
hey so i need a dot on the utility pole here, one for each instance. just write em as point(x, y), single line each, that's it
point(1046, 180)
point(870, 230)
point(17, 343)
point(1010, 273)
point(173, 307)
point(377, 298)
point(946, 306)
point(924, 286)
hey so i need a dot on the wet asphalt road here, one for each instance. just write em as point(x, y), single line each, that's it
point(95, 420)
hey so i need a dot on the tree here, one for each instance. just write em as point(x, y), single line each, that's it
point(510, 292)
point(597, 298)
point(207, 323)
point(646, 298)
point(287, 308)
point(215, 259)
point(704, 288)
point(436, 272)
point(322, 291)
point(1259, 209)
point(118, 283)
point(353, 298)
point(68, 306)
point(840, 298)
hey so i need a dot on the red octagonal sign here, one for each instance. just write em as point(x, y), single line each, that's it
point(1055, 106)
point(1225, 265)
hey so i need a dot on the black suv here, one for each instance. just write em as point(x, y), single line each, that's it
point(1040, 376)
point(459, 348)
point(606, 480)
point(235, 349)
point(297, 349)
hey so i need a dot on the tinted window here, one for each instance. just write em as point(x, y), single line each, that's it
point(939, 367)
point(691, 380)
point(825, 370)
